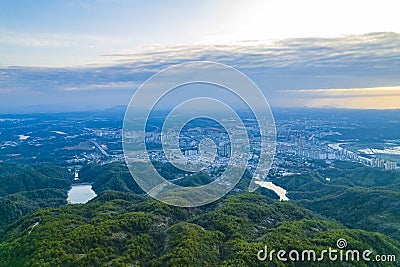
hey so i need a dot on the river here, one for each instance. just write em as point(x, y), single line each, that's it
point(281, 192)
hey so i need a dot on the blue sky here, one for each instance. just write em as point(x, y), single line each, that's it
point(301, 53)
point(64, 33)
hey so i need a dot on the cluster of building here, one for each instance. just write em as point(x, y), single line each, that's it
point(383, 164)
point(311, 148)
point(301, 140)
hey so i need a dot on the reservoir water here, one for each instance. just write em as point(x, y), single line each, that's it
point(281, 192)
point(80, 193)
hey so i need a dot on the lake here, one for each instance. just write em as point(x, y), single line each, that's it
point(79, 194)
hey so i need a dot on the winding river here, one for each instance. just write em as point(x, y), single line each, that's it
point(281, 192)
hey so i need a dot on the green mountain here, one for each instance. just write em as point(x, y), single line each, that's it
point(357, 196)
point(113, 176)
point(14, 206)
point(25, 188)
point(16, 177)
point(125, 229)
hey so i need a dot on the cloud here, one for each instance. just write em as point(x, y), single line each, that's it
point(350, 92)
point(291, 72)
point(105, 86)
point(302, 52)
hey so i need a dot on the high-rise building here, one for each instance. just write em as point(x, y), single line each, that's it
point(224, 149)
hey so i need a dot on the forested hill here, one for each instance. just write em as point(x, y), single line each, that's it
point(16, 177)
point(25, 188)
point(125, 229)
point(355, 195)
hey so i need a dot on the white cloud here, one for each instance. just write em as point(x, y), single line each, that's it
point(105, 86)
point(291, 72)
point(385, 90)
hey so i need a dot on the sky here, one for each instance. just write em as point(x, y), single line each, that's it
point(83, 54)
